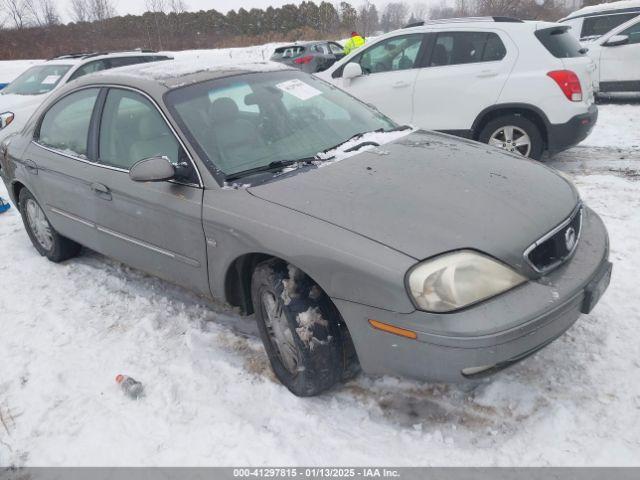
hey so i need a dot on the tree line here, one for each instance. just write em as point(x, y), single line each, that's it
point(33, 28)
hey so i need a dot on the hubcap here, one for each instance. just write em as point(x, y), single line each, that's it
point(279, 332)
point(39, 225)
point(512, 139)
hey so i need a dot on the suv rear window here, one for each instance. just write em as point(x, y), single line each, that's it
point(560, 43)
point(287, 52)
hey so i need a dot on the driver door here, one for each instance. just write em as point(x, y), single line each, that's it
point(390, 70)
point(154, 226)
point(620, 64)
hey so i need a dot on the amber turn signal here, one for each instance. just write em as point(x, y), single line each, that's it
point(385, 327)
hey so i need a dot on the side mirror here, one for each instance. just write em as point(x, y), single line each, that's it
point(616, 40)
point(154, 169)
point(351, 71)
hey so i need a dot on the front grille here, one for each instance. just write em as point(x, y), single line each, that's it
point(556, 246)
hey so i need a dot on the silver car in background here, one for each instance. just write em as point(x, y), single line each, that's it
point(310, 57)
point(354, 241)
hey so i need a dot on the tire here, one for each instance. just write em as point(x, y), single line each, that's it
point(493, 133)
point(300, 328)
point(44, 237)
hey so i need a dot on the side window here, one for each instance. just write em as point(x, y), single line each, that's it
point(336, 49)
point(633, 32)
point(398, 53)
point(88, 68)
point(457, 48)
point(65, 126)
point(124, 61)
point(594, 27)
point(132, 129)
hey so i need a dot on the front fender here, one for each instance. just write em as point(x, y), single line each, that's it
point(346, 265)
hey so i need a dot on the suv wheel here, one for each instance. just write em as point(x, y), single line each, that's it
point(300, 328)
point(45, 239)
point(515, 134)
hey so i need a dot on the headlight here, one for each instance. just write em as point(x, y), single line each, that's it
point(5, 119)
point(456, 280)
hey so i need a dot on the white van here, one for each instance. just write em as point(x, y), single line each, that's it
point(590, 23)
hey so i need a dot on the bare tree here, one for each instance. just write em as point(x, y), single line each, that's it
point(17, 12)
point(100, 10)
point(79, 11)
point(394, 16)
point(420, 11)
point(178, 6)
point(43, 13)
point(157, 9)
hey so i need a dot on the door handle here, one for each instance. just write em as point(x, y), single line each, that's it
point(401, 84)
point(101, 190)
point(487, 74)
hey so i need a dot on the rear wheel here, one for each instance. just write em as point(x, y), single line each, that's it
point(300, 328)
point(515, 134)
point(45, 239)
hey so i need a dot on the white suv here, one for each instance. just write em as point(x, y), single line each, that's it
point(523, 86)
point(21, 97)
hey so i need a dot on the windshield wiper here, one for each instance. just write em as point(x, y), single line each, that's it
point(271, 167)
point(352, 137)
point(399, 128)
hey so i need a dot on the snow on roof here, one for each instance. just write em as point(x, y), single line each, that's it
point(604, 7)
point(172, 73)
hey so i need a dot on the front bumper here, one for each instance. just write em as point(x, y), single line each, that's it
point(493, 334)
point(565, 135)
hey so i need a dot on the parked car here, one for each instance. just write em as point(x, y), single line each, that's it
point(309, 57)
point(22, 96)
point(617, 55)
point(349, 237)
point(526, 87)
point(591, 23)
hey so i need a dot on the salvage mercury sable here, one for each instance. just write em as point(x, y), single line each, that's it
point(355, 241)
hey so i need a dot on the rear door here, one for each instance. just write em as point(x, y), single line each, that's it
point(464, 73)
point(60, 167)
point(620, 64)
point(390, 70)
point(156, 227)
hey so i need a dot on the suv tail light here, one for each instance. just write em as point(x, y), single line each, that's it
point(303, 60)
point(569, 83)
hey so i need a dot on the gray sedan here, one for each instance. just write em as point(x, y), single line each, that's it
point(310, 57)
point(400, 252)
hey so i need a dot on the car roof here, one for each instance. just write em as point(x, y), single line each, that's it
point(169, 74)
point(621, 6)
point(503, 23)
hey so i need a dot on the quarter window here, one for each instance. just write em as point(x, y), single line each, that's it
point(397, 53)
point(456, 48)
point(65, 126)
point(132, 129)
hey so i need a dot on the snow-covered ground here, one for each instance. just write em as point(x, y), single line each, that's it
point(67, 330)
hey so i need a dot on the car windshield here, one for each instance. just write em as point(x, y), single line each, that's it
point(37, 80)
point(250, 121)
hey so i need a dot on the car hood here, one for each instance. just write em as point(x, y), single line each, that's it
point(430, 193)
point(10, 102)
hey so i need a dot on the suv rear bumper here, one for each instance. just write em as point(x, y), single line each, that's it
point(565, 135)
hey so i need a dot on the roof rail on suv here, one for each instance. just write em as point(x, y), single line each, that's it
point(465, 19)
point(96, 54)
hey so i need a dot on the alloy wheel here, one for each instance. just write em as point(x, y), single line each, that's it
point(279, 332)
point(39, 225)
point(512, 139)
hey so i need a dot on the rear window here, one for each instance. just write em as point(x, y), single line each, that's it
point(560, 43)
point(288, 52)
point(594, 27)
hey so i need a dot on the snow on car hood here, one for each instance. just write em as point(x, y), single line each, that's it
point(11, 102)
point(429, 193)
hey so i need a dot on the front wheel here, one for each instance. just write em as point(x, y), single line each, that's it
point(299, 327)
point(44, 237)
point(515, 134)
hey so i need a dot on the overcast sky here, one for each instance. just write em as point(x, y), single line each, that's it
point(138, 6)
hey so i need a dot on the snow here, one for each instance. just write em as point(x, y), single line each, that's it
point(617, 127)
point(211, 399)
